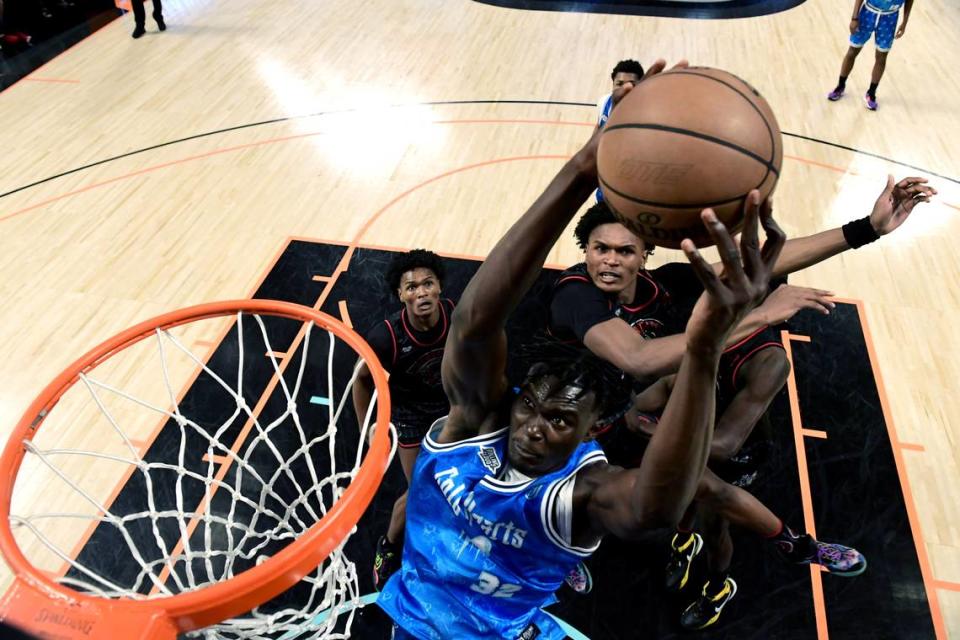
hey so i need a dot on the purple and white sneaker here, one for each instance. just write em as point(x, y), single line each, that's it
point(580, 580)
point(870, 102)
point(838, 559)
point(835, 95)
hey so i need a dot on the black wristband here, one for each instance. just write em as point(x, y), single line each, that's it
point(859, 232)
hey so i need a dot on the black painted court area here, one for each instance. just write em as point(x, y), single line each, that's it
point(857, 498)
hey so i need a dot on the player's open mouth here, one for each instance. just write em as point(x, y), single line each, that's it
point(426, 305)
point(608, 276)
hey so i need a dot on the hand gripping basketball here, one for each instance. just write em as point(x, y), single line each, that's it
point(746, 273)
point(684, 140)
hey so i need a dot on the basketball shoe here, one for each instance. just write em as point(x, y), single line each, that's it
point(385, 563)
point(706, 609)
point(683, 549)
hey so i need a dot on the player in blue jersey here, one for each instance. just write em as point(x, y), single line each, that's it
point(877, 18)
point(626, 73)
point(512, 493)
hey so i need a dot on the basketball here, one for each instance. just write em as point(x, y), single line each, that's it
point(682, 141)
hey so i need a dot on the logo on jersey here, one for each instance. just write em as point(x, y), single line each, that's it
point(463, 503)
point(488, 456)
point(647, 327)
point(530, 633)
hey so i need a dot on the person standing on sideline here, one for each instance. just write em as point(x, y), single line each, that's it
point(872, 17)
point(140, 17)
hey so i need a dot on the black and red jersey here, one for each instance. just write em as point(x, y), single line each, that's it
point(413, 360)
point(660, 305)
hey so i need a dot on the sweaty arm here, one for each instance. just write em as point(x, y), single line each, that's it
point(381, 341)
point(649, 358)
point(474, 359)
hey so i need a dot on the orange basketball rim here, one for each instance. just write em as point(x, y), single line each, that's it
point(39, 605)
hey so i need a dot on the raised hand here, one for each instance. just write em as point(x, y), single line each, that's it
point(897, 201)
point(746, 274)
point(786, 300)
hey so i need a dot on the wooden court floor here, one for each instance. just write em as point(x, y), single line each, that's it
point(142, 176)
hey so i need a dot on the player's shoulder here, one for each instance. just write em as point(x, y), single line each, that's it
point(575, 275)
point(592, 477)
point(676, 275)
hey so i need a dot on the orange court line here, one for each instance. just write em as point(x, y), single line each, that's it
point(344, 313)
point(925, 570)
point(279, 355)
point(216, 459)
point(300, 136)
point(321, 278)
point(797, 338)
point(910, 446)
point(55, 80)
point(949, 586)
point(819, 605)
point(814, 433)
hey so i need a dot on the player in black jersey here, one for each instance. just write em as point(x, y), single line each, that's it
point(409, 345)
point(634, 319)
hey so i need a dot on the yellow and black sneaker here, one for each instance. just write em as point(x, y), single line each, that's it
point(385, 563)
point(684, 547)
point(706, 609)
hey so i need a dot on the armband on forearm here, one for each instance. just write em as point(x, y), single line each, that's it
point(859, 232)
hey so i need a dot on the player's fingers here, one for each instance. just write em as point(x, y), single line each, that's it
point(817, 304)
point(683, 64)
point(729, 253)
point(823, 299)
point(749, 242)
point(920, 189)
point(775, 237)
point(658, 66)
point(705, 273)
point(620, 92)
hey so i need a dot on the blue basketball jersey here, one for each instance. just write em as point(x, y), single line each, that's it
point(481, 555)
point(605, 106)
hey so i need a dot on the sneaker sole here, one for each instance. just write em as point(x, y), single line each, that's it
point(850, 574)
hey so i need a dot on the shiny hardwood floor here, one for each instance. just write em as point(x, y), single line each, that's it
point(171, 169)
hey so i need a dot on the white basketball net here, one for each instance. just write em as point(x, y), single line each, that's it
point(206, 519)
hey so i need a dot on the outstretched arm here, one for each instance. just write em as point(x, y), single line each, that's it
point(892, 208)
point(475, 354)
point(647, 359)
point(611, 500)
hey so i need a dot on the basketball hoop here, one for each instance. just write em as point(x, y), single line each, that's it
point(270, 510)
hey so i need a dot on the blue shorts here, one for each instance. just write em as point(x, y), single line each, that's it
point(884, 25)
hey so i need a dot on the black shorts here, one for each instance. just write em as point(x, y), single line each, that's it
point(411, 434)
point(735, 356)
